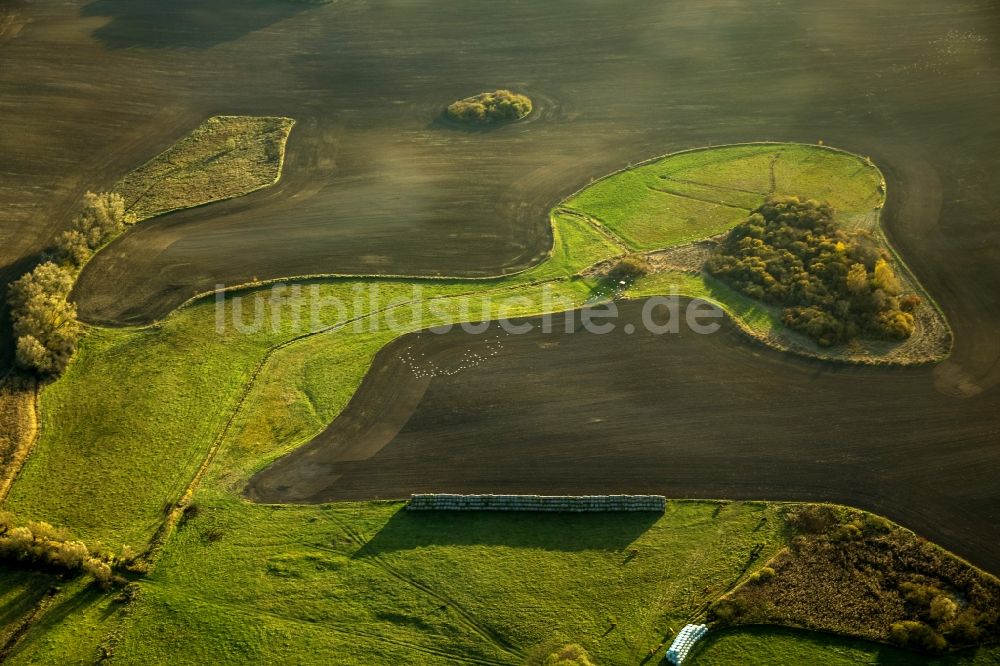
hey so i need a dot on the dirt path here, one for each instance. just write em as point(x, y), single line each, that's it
point(19, 422)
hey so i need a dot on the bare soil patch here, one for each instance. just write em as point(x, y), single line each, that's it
point(682, 415)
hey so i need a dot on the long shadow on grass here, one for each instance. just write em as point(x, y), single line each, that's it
point(21, 590)
point(186, 23)
point(548, 531)
point(63, 608)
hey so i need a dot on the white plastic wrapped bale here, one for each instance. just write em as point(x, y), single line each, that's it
point(684, 641)
point(564, 503)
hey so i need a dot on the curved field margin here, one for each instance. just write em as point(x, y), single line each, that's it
point(223, 158)
point(669, 207)
point(706, 191)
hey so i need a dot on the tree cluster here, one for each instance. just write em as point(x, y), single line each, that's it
point(45, 325)
point(41, 544)
point(857, 574)
point(833, 286)
point(103, 217)
point(490, 107)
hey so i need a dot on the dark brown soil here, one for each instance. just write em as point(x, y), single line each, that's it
point(684, 415)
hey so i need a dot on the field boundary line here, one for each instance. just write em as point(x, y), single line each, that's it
point(674, 193)
point(713, 186)
point(599, 226)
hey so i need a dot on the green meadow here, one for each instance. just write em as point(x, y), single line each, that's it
point(704, 192)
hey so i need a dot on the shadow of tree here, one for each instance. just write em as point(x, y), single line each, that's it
point(21, 591)
point(550, 531)
point(63, 608)
point(444, 122)
point(186, 23)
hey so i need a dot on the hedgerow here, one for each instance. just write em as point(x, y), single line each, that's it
point(39, 544)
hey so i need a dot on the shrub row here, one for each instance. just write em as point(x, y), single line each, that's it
point(42, 545)
point(45, 326)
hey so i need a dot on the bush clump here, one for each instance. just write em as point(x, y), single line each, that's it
point(45, 326)
point(813, 518)
point(629, 268)
point(834, 286)
point(917, 636)
point(762, 576)
point(41, 544)
point(490, 107)
point(102, 218)
point(728, 610)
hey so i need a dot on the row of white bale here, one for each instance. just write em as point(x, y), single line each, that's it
point(684, 641)
point(556, 503)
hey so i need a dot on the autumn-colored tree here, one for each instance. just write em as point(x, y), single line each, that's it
point(885, 279)
point(917, 636)
point(102, 217)
point(857, 279)
point(943, 609)
point(71, 247)
point(833, 286)
point(42, 544)
point(45, 324)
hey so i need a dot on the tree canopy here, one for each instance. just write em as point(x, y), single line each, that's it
point(490, 107)
point(102, 218)
point(834, 286)
point(45, 323)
